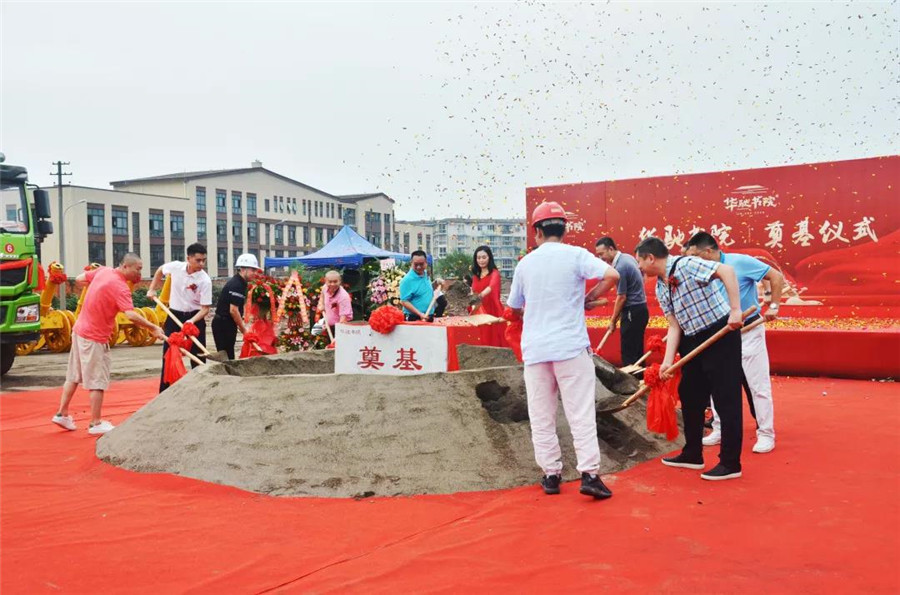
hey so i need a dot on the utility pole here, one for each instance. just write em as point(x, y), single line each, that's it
point(62, 237)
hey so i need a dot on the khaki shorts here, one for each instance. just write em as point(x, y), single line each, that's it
point(88, 363)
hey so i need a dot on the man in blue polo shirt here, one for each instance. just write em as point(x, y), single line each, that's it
point(630, 308)
point(754, 355)
point(415, 288)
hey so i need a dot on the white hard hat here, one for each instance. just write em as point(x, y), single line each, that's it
point(247, 261)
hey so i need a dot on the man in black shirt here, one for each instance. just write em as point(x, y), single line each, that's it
point(230, 307)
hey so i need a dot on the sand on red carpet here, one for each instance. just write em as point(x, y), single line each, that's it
point(820, 513)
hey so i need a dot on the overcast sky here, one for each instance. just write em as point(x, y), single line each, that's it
point(452, 108)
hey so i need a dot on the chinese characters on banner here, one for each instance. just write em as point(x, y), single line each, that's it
point(803, 233)
point(412, 349)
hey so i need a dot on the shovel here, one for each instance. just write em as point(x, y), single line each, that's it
point(603, 341)
point(181, 325)
point(644, 389)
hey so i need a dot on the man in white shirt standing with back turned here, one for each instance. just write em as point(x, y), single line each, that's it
point(549, 283)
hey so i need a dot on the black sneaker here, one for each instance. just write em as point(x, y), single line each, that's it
point(592, 485)
point(550, 483)
point(682, 461)
point(720, 472)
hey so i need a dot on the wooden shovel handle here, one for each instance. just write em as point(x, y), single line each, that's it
point(180, 324)
point(193, 357)
point(603, 341)
point(703, 346)
point(753, 325)
point(644, 389)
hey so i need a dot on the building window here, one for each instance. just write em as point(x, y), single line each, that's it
point(201, 198)
point(251, 204)
point(178, 252)
point(119, 251)
point(319, 241)
point(279, 254)
point(236, 232)
point(222, 260)
point(136, 233)
point(252, 227)
point(201, 228)
point(340, 212)
point(156, 225)
point(428, 243)
point(119, 222)
point(221, 235)
point(292, 235)
point(157, 256)
point(97, 252)
point(387, 222)
point(268, 234)
point(279, 234)
point(236, 202)
point(176, 224)
point(221, 199)
point(406, 240)
point(306, 236)
point(95, 217)
point(267, 205)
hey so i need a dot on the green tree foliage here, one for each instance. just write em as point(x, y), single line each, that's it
point(455, 265)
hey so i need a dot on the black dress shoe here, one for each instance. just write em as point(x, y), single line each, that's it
point(720, 472)
point(592, 485)
point(683, 461)
point(550, 483)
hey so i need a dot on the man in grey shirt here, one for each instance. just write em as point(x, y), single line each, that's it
point(631, 301)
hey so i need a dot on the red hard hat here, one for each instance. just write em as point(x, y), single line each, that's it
point(548, 210)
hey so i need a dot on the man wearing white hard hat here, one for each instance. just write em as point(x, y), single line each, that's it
point(229, 317)
point(549, 284)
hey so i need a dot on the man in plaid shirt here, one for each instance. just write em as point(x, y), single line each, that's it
point(696, 309)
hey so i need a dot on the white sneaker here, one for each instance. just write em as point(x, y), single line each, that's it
point(101, 428)
point(64, 421)
point(764, 444)
point(712, 439)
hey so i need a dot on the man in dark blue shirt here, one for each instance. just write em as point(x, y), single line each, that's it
point(631, 301)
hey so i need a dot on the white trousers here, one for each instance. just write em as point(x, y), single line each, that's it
point(574, 381)
point(755, 361)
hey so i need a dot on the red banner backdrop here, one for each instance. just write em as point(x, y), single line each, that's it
point(832, 228)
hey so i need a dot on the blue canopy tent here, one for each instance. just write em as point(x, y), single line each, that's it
point(346, 249)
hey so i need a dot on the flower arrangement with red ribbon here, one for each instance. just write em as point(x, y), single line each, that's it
point(263, 302)
point(384, 319)
point(513, 331)
point(657, 344)
point(173, 365)
point(661, 402)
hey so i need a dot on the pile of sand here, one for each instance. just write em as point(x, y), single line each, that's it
point(286, 425)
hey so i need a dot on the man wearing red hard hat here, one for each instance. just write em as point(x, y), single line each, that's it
point(548, 289)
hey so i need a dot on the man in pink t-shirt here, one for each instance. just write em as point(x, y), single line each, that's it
point(107, 295)
point(335, 302)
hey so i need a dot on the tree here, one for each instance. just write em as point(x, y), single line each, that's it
point(455, 265)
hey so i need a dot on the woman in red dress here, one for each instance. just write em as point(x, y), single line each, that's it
point(486, 287)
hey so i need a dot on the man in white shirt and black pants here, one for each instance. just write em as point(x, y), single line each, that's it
point(190, 296)
point(549, 283)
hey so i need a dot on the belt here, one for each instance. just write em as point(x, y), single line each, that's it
point(752, 319)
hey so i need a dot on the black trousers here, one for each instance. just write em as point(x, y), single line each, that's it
point(716, 371)
point(632, 325)
point(170, 327)
point(224, 334)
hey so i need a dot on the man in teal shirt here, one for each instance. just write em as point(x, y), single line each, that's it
point(754, 355)
point(415, 288)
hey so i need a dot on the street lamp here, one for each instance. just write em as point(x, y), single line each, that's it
point(62, 251)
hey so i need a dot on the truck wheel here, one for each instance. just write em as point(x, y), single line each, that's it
point(8, 353)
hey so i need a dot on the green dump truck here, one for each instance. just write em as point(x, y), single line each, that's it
point(24, 214)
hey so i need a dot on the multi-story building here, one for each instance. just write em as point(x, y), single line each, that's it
point(410, 236)
point(231, 211)
point(506, 237)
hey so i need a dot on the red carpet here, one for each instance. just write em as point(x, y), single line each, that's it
point(819, 514)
